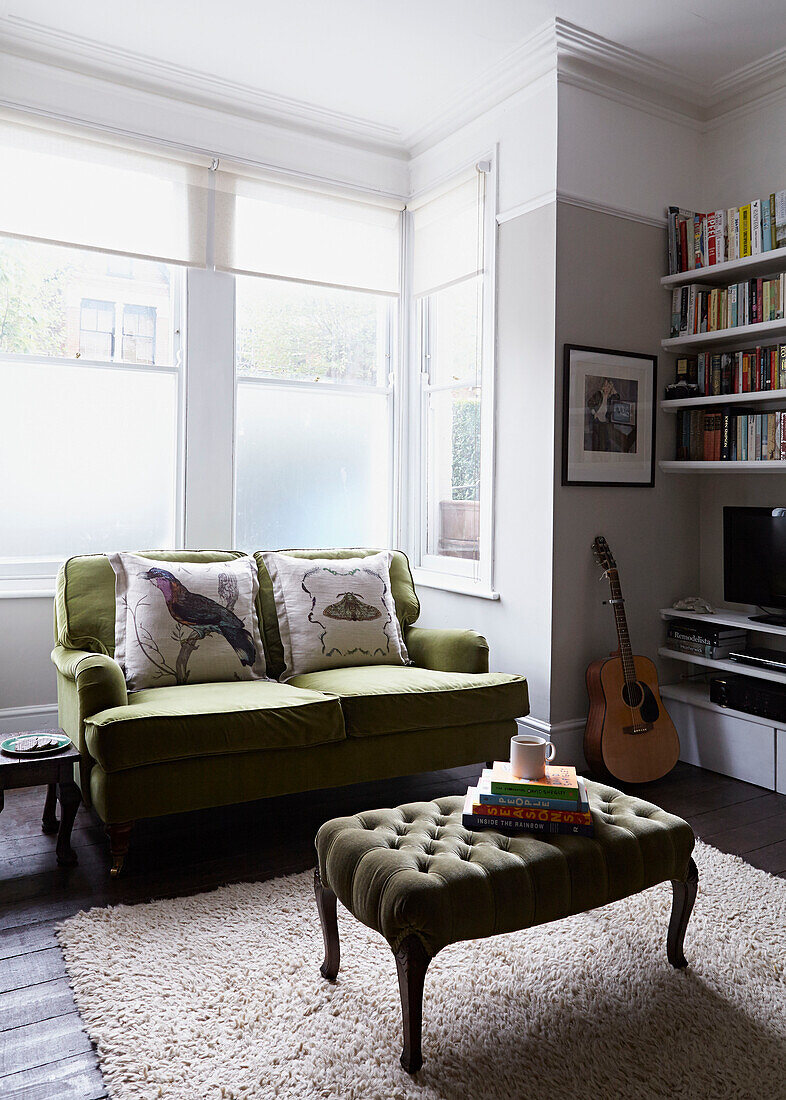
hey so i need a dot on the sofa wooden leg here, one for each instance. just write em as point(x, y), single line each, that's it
point(326, 907)
point(412, 962)
point(119, 836)
point(681, 908)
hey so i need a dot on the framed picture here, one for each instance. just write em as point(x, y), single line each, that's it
point(608, 432)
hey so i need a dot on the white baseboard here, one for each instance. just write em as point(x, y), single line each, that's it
point(21, 719)
point(568, 738)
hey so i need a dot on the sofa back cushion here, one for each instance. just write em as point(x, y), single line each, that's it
point(401, 584)
point(85, 596)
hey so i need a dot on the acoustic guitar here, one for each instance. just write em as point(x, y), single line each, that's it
point(629, 735)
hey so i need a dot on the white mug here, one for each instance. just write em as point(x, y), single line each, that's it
point(528, 755)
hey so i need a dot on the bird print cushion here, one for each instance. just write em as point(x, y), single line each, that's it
point(335, 612)
point(186, 622)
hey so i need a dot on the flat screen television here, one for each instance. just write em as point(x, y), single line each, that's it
point(754, 560)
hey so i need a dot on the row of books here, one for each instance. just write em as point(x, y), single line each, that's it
point(704, 641)
point(557, 804)
point(730, 435)
point(702, 240)
point(698, 308)
point(715, 374)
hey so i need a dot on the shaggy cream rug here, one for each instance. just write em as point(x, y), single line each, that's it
point(220, 996)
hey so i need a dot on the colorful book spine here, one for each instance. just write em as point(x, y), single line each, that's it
point(522, 789)
point(513, 813)
point(551, 828)
point(745, 231)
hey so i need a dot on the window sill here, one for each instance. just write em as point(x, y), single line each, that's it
point(463, 586)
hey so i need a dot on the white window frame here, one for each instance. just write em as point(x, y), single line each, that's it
point(432, 570)
point(22, 578)
point(389, 389)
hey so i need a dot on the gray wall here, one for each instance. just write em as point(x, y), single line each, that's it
point(608, 296)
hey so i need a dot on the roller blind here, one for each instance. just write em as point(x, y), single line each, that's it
point(65, 188)
point(448, 233)
point(277, 229)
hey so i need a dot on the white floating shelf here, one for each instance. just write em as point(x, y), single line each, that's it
point(757, 397)
point(742, 335)
point(722, 617)
point(775, 467)
point(733, 271)
point(736, 667)
point(697, 694)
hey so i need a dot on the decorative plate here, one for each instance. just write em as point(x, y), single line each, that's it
point(34, 744)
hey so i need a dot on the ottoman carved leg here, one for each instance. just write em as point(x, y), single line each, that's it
point(412, 962)
point(682, 906)
point(326, 906)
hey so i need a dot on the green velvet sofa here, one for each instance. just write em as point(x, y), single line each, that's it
point(170, 749)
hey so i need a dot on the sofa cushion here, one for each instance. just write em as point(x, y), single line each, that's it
point(401, 585)
point(175, 723)
point(188, 623)
point(335, 614)
point(378, 699)
point(85, 596)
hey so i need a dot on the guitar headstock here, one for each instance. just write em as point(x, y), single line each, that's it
point(603, 554)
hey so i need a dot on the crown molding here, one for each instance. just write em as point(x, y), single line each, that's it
point(576, 56)
point(575, 43)
point(71, 52)
point(532, 59)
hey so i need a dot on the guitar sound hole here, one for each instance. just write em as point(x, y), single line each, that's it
point(633, 694)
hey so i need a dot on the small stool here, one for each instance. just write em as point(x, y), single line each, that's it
point(56, 772)
point(419, 878)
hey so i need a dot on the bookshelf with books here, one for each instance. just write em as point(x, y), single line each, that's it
point(727, 396)
point(727, 279)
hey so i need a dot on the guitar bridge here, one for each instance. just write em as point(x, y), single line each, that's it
point(639, 727)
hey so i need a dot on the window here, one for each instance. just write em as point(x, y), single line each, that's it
point(314, 413)
point(139, 334)
point(97, 330)
point(315, 366)
point(452, 242)
point(89, 436)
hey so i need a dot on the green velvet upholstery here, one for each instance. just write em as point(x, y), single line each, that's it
point(85, 596)
point(401, 584)
point(171, 749)
point(86, 683)
point(380, 699)
point(175, 723)
point(415, 870)
point(203, 781)
point(447, 650)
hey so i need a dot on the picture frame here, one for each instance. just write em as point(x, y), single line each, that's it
point(609, 413)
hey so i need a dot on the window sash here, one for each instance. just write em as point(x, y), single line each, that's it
point(35, 575)
point(467, 573)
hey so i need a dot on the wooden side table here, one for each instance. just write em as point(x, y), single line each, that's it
point(56, 770)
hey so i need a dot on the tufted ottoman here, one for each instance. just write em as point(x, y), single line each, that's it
point(423, 881)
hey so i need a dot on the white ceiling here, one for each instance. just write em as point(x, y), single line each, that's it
point(394, 63)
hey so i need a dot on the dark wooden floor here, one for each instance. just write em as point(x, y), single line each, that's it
point(44, 1054)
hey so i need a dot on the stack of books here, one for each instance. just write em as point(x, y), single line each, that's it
point(730, 435)
point(705, 640)
point(702, 240)
point(719, 373)
point(556, 804)
point(699, 308)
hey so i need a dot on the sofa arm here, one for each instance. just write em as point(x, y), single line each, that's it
point(86, 684)
point(448, 650)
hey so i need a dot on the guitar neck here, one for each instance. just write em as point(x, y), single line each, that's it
point(621, 622)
